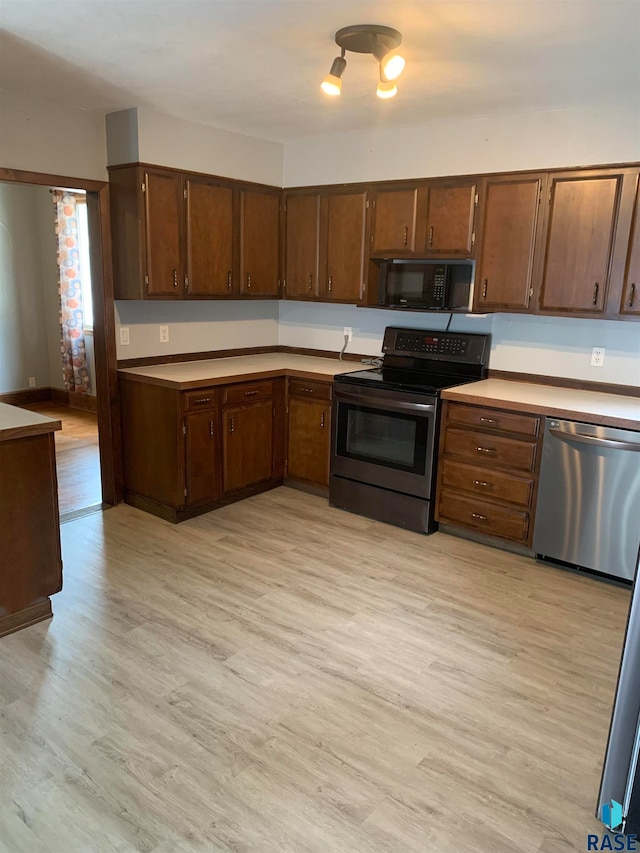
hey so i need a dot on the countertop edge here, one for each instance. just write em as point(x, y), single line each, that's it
point(29, 430)
point(268, 373)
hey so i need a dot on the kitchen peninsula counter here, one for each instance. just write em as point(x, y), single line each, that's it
point(596, 407)
point(31, 565)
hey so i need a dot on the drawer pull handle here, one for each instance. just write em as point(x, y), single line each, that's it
point(249, 281)
point(211, 427)
point(232, 424)
point(489, 421)
point(632, 294)
point(201, 401)
point(479, 517)
point(307, 390)
point(483, 483)
point(330, 283)
point(310, 281)
point(430, 237)
point(229, 280)
point(251, 393)
point(486, 449)
point(485, 285)
point(322, 421)
point(406, 236)
point(596, 288)
point(175, 278)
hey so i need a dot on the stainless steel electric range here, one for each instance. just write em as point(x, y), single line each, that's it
point(385, 425)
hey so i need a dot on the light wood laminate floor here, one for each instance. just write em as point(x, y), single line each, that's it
point(282, 677)
point(77, 456)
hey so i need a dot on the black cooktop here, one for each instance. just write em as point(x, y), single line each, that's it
point(401, 380)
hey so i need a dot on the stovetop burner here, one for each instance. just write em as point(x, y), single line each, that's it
point(424, 361)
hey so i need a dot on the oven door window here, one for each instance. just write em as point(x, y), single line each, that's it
point(395, 440)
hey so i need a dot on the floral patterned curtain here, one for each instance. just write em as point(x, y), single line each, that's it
point(72, 345)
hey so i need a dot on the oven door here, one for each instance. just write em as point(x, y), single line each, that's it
point(384, 438)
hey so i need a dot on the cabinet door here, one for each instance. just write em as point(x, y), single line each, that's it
point(163, 225)
point(504, 275)
point(248, 445)
point(302, 245)
point(631, 293)
point(579, 242)
point(309, 441)
point(394, 221)
point(201, 455)
point(209, 238)
point(259, 242)
point(450, 215)
point(346, 228)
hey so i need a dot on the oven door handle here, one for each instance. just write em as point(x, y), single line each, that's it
point(383, 403)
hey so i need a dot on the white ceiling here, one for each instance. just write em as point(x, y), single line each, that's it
point(254, 66)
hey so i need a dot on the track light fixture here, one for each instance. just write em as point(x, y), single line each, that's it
point(381, 43)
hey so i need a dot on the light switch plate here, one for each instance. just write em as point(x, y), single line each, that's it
point(124, 336)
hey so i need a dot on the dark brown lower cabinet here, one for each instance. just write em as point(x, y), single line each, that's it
point(309, 434)
point(188, 452)
point(247, 442)
point(31, 563)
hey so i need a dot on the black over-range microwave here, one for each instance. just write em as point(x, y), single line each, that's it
point(426, 285)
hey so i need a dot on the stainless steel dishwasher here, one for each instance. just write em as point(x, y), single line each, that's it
point(588, 509)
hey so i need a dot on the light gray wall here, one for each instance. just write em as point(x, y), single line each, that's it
point(29, 324)
point(23, 336)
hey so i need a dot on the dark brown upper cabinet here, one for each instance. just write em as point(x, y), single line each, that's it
point(451, 206)
point(630, 302)
point(325, 243)
point(508, 242)
point(259, 242)
point(180, 235)
point(395, 220)
point(428, 219)
point(209, 238)
point(302, 245)
point(579, 240)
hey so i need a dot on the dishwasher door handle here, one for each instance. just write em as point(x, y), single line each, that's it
point(594, 440)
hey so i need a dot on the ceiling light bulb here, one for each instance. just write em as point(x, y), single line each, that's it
point(386, 89)
point(392, 66)
point(332, 83)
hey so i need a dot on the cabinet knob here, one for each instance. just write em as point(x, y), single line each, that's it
point(632, 294)
point(596, 288)
point(229, 282)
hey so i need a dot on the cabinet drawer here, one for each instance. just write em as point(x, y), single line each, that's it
point(483, 516)
point(312, 390)
point(487, 483)
point(493, 419)
point(247, 393)
point(486, 449)
point(194, 401)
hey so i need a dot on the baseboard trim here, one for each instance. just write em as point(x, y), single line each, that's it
point(24, 618)
point(27, 397)
point(85, 402)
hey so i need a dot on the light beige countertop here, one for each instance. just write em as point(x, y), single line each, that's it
point(221, 371)
point(590, 406)
point(18, 423)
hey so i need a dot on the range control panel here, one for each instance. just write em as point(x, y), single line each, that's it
point(443, 346)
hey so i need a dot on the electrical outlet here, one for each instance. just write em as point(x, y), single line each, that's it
point(597, 357)
point(32, 382)
point(347, 332)
point(124, 336)
point(164, 334)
